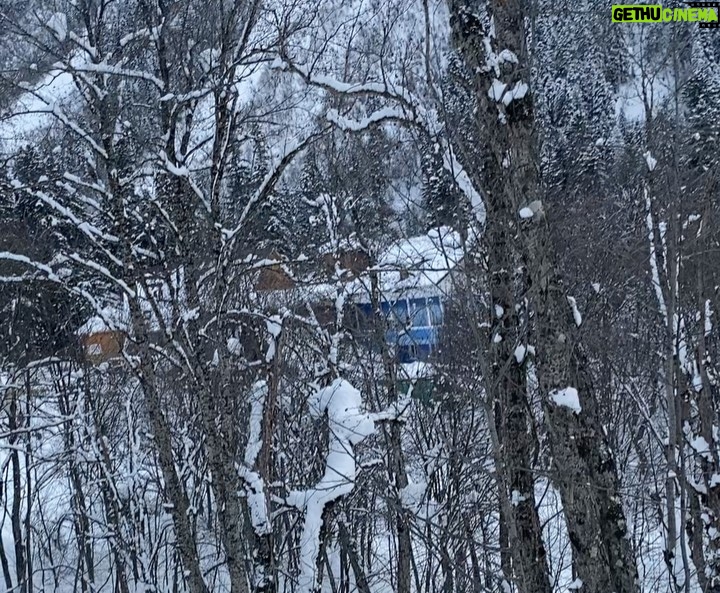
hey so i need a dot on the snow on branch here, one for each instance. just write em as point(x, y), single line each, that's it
point(332, 85)
point(23, 259)
point(274, 326)
point(184, 173)
point(577, 317)
point(464, 183)
point(258, 393)
point(378, 117)
point(410, 110)
point(89, 230)
point(396, 411)
point(102, 270)
point(654, 267)
point(348, 426)
point(60, 115)
point(119, 71)
point(51, 276)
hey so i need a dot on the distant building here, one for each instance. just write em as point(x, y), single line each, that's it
point(101, 341)
point(416, 276)
point(413, 278)
point(104, 336)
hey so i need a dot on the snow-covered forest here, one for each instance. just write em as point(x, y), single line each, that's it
point(358, 296)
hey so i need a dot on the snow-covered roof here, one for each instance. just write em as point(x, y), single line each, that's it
point(420, 263)
point(411, 267)
point(414, 266)
point(413, 371)
point(109, 319)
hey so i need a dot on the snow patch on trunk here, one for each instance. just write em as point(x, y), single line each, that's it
point(567, 398)
point(525, 213)
point(257, 403)
point(576, 312)
point(650, 160)
point(254, 484)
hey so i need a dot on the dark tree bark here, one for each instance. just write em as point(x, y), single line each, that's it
point(584, 469)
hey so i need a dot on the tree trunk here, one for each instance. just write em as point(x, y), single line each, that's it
point(584, 470)
point(348, 545)
point(505, 382)
point(173, 490)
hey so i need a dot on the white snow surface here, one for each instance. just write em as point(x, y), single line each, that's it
point(234, 346)
point(109, 318)
point(576, 312)
point(525, 213)
point(58, 24)
point(517, 92)
point(496, 90)
point(415, 370)
point(413, 494)
point(567, 398)
point(33, 111)
point(416, 499)
point(630, 104)
point(700, 445)
point(516, 498)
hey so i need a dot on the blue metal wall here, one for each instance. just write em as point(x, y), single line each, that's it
point(413, 325)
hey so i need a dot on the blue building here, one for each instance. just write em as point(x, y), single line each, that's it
point(415, 278)
point(413, 324)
